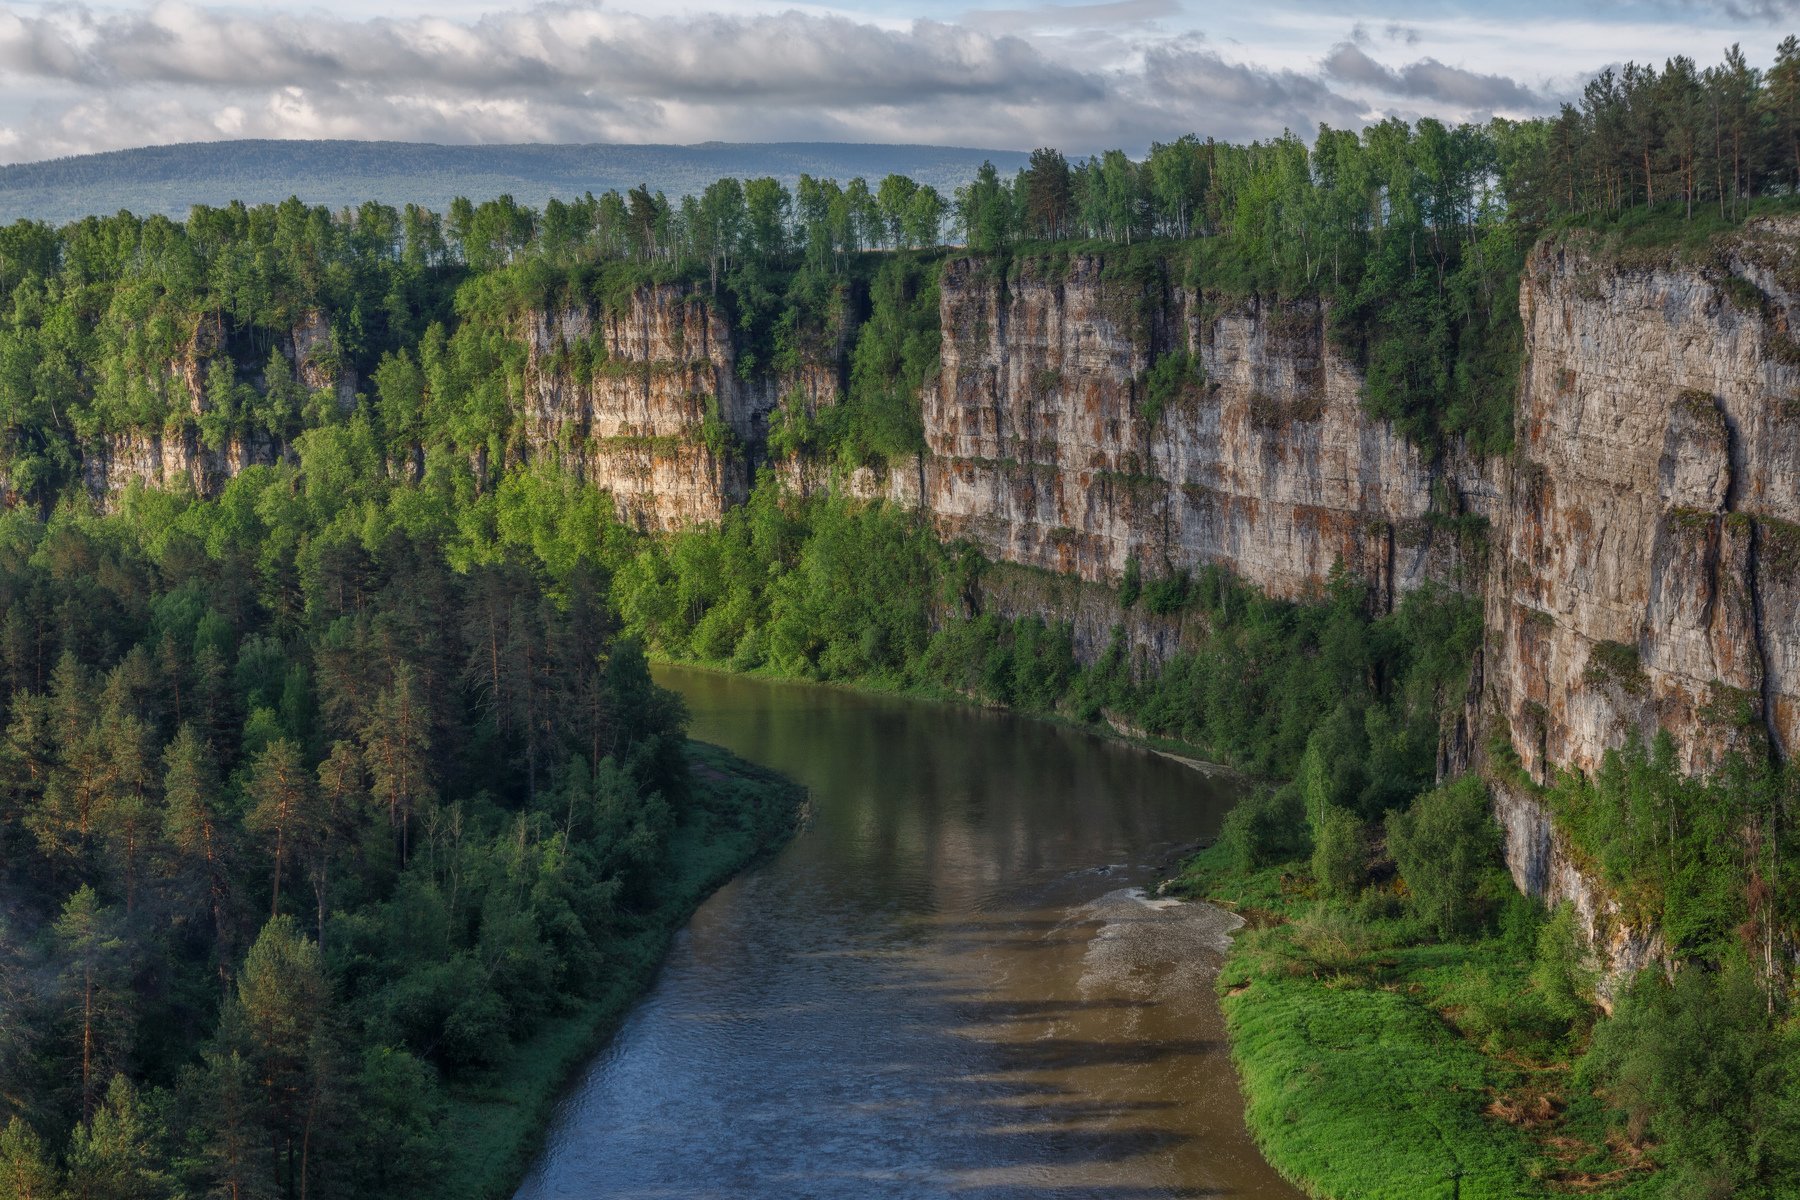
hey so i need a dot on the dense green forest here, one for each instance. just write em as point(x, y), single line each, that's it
point(317, 804)
point(327, 797)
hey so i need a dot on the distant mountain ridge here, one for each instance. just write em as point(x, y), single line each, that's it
point(171, 179)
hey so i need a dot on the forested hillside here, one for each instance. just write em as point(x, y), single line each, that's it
point(169, 180)
point(335, 786)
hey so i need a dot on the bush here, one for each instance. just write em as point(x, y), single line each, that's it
point(1168, 595)
point(1340, 858)
point(1696, 1065)
point(1133, 584)
point(1266, 827)
point(1448, 850)
point(1172, 377)
point(1559, 972)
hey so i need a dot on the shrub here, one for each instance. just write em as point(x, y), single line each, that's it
point(1340, 858)
point(1696, 1065)
point(1266, 827)
point(1168, 595)
point(1559, 972)
point(1132, 586)
point(1448, 850)
point(1167, 382)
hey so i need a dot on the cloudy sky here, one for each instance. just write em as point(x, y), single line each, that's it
point(79, 77)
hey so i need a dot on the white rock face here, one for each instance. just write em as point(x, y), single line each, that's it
point(318, 361)
point(174, 461)
point(1542, 865)
point(622, 399)
point(1646, 575)
point(1040, 454)
point(176, 457)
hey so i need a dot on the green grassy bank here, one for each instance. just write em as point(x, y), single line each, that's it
point(496, 1125)
point(1379, 1061)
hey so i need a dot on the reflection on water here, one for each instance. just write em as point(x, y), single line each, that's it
point(950, 985)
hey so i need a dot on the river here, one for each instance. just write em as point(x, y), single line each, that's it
point(950, 985)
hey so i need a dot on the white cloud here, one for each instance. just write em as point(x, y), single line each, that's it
point(1429, 80)
point(79, 77)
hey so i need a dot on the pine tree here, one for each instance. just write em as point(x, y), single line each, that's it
point(236, 1149)
point(196, 833)
point(343, 800)
point(115, 1156)
point(26, 1172)
point(282, 1023)
point(396, 748)
point(281, 812)
point(92, 952)
point(1782, 100)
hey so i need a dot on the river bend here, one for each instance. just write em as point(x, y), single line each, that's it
point(952, 984)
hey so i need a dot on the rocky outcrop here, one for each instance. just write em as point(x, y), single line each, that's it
point(643, 402)
point(187, 372)
point(1543, 864)
point(1044, 449)
point(177, 455)
point(318, 361)
point(1647, 574)
point(175, 460)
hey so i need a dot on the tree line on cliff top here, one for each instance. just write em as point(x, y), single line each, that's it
point(1415, 233)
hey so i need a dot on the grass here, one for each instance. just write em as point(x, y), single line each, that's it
point(495, 1127)
point(1645, 237)
point(1379, 1064)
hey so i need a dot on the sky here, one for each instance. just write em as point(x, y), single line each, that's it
point(83, 77)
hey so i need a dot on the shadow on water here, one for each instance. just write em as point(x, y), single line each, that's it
point(944, 988)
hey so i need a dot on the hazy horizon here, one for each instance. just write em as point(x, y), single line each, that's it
point(169, 180)
point(91, 78)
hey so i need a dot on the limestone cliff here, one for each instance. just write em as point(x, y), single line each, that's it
point(643, 402)
point(1648, 570)
point(177, 455)
point(318, 360)
point(175, 459)
point(1041, 450)
point(1647, 573)
point(1542, 864)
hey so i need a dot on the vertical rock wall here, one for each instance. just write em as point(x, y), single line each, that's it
point(644, 403)
point(1647, 574)
point(1040, 450)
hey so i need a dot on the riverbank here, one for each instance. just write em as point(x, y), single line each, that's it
point(1106, 726)
point(741, 814)
point(1377, 1061)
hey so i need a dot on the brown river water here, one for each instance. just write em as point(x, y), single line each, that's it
point(951, 984)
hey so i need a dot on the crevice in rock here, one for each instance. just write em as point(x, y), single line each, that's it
point(1759, 637)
